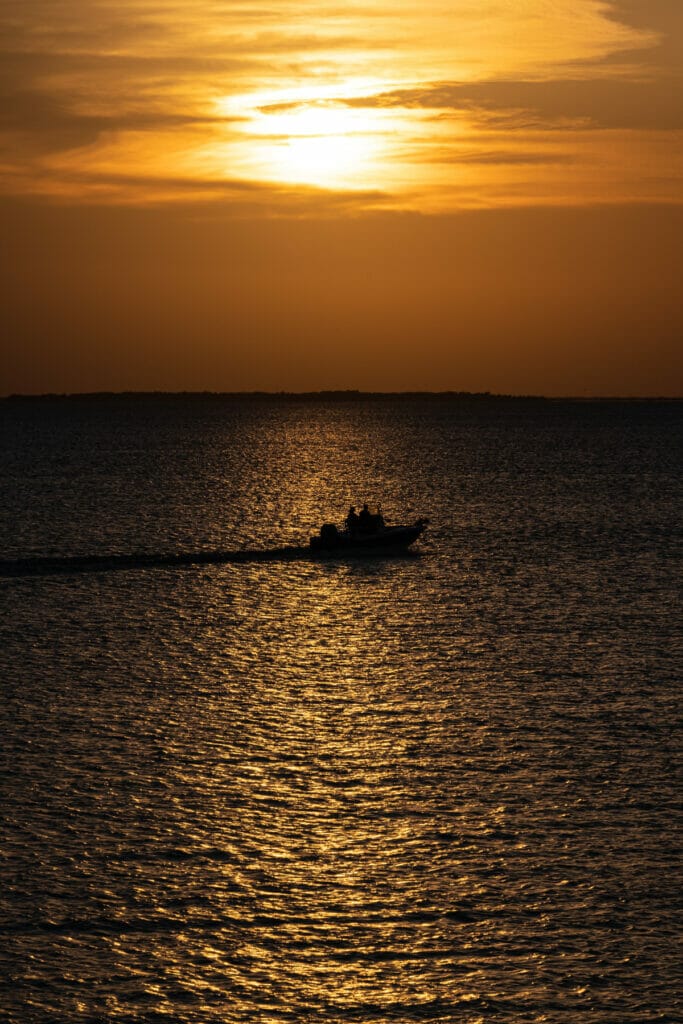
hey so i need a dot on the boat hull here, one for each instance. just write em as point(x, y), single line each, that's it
point(385, 541)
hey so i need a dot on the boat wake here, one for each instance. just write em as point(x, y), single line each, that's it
point(46, 566)
point(66, 565)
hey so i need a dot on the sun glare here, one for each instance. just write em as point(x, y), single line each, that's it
point(323, 146)
point(313, 140)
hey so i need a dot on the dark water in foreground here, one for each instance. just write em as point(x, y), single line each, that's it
point(440, 788)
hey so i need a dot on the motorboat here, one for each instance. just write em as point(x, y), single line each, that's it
point(377, 537)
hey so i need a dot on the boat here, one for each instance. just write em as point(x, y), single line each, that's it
point(379, 538)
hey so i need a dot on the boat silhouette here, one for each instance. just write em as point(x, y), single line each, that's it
point(377, 537)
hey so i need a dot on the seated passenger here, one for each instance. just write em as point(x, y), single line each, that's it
point(365, 522)
point(352, 521)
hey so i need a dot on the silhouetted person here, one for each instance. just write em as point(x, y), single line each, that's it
point(352, 521)
point(365, 520)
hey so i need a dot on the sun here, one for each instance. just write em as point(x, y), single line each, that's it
point(324, 146)
point(314, 141)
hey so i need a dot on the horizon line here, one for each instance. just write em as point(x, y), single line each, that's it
point(329, 393)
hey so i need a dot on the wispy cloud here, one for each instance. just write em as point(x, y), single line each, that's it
point(368, 100)
point(595, 102)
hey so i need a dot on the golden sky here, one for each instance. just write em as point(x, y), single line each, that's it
point(252, 130)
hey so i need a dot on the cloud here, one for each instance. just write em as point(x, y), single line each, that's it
point(594, 102)
point(664, 17)
point(512, 158)
point(134, 88)
point(44, 123)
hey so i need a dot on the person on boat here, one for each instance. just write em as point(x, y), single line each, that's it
point(352, 521)
point(365, 523)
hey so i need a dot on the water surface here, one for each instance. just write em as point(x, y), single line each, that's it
point(436, 788)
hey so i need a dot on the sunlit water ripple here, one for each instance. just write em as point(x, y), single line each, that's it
point(438, 788)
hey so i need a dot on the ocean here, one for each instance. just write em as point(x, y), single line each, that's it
point(439, 787)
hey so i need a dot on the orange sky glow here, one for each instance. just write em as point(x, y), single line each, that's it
point(263, 194)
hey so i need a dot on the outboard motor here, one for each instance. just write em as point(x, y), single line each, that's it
point(328, 533)
point(327, 538)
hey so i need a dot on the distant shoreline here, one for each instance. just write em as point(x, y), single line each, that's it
point(328, 396)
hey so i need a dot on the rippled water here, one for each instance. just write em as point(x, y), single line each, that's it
point(440, 788)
